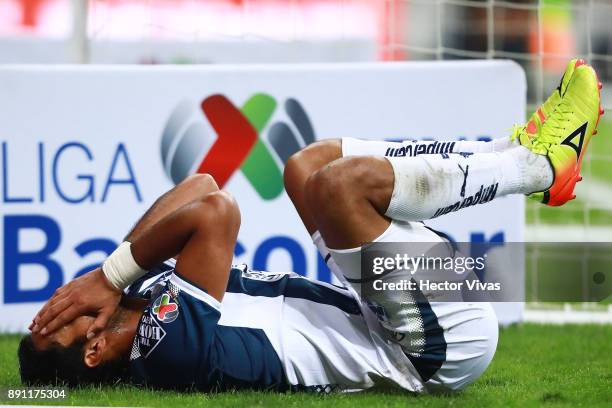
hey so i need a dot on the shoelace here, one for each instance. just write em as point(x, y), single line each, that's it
point(554, 127)
point(516, 132)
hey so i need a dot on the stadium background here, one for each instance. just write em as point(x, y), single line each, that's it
point(540, 35)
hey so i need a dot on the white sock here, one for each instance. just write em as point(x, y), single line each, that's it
point(411, 148)
point(428, 186)
point(494, 146)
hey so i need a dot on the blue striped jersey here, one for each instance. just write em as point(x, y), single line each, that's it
point(272, 331)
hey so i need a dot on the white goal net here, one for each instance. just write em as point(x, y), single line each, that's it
point(541, 35)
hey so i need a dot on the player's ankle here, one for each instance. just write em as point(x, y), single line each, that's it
point(536, 173)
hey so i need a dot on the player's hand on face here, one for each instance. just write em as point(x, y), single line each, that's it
point(89, 294)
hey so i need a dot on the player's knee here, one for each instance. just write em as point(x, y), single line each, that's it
point(303, 164)
point(327, 186)
point(347, 175)
point(294, 172)
point(328, 148)
point(350, 179)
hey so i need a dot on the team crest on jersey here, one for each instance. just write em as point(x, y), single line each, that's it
point(165, 309)
point(150, 334)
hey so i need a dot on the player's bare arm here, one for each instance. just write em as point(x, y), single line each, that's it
point(92, 293)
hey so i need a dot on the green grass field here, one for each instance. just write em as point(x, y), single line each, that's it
point(535, 365)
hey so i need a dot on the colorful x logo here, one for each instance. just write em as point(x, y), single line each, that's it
point(164, 309)
point(238, 144)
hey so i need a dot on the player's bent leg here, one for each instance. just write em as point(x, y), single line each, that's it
point(313, 157)
point(427, 186)
point(298, 170)
point(347, 199)
point(447, 345)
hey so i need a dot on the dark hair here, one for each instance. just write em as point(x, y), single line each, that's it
point(60, 365)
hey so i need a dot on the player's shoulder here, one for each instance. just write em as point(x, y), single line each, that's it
point(143, 286)
point(184, 290)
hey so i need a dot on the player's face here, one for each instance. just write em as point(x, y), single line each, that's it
point(66, 335)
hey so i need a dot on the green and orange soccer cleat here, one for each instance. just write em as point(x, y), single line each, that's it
point(563, 134)
point(537, 119)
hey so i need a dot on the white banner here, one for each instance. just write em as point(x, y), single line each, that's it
point(84, 151)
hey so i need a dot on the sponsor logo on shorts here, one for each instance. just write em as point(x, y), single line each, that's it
point(164, 309)
point(415, 148)
point(219, 138)
point(484, 195)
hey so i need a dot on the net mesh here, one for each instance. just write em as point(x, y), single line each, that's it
point(540, 35)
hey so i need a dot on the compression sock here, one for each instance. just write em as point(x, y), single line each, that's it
point(409, 148)
point(428, 186)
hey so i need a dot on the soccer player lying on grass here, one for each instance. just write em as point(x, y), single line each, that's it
point(202, 324)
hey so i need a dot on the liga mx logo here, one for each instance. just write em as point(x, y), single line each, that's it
point(220, 138)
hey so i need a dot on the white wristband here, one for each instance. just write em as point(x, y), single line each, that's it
point(120, 268)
